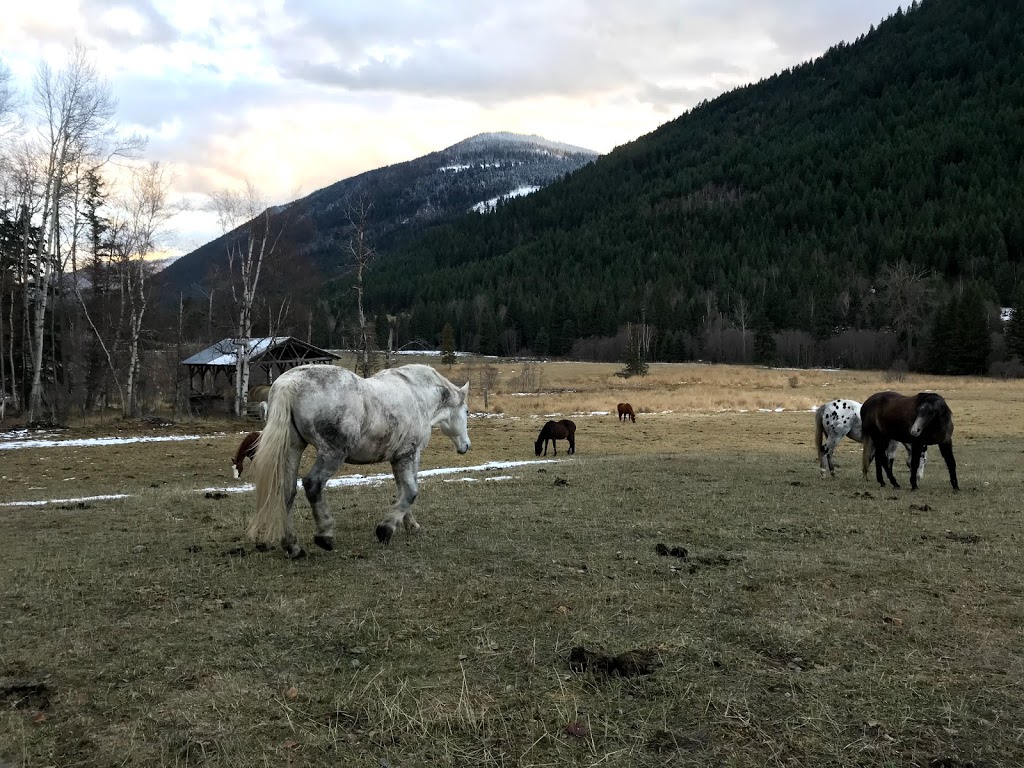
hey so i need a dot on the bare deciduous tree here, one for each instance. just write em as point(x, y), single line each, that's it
point(75, 109)
point(361, 255)
point(906, 296)
point(743, 317)
point(248, 252)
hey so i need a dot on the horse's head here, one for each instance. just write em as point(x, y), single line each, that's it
point(538, 445)
point(930, 407)
point(454, 424)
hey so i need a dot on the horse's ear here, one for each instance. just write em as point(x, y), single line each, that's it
point(464, 389)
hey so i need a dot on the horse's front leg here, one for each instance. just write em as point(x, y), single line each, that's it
point(946, 449)
point(404, 469)
point(326, 464)
point(915, 464)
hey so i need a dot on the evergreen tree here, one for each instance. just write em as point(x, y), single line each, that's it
point(940, 338)
point(542, 342)
point(448, 356)
point(1015, 325)
point(634, 361)
point(765, 349)
point(974, 342)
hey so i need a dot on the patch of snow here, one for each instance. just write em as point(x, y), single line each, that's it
point(97, 441)
point(487, 206)
point(349, 481)
point(64, 501)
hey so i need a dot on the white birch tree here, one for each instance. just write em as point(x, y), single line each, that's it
point(247, 251)
point(75, 109)
point(147, 210)
point(361, 255)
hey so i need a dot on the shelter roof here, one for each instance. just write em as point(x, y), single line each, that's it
point(266, 349)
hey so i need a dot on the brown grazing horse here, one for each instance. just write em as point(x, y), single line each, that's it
point(553, 431)
point(626, 412)
point(246, 450)
point(919, 420)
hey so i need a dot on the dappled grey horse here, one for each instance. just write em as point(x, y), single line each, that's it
point(350, 420)
point(841, 418)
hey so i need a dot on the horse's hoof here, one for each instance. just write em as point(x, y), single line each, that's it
point(297, 554)
point(261, 547)
point(324, 542)
point(384, 533)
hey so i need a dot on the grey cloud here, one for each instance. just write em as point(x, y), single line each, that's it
point(156, 30)
point(488, 52)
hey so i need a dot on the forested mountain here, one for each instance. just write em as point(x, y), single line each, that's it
point(857, 192)
point(399, 200)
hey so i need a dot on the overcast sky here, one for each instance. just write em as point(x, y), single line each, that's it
point(297, 94)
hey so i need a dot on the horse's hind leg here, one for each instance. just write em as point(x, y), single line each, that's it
point(827, 454)
point(289, 542)
point(405, 470)
point(882, 461)
point(326, 464)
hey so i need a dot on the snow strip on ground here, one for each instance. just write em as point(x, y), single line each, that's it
point(93, 441)
point(348, 480)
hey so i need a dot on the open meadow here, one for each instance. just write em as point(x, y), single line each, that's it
point(683, 591)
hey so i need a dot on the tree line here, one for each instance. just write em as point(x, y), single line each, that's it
point(82, 216)
point(845, 205)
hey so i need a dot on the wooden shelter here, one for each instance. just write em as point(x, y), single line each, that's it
point(273, 355)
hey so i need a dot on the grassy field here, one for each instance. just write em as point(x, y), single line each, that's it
point(545, 619)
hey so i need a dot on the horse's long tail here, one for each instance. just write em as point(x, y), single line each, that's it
point(867, 454)
point(270, 471)
point(819, 434)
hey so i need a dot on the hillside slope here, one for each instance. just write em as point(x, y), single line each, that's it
point(401, 199)
point(787, 199)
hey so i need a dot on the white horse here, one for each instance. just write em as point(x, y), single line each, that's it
point(841, 418)
point(352, 420)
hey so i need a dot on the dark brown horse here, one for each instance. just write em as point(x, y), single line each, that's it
point(553, 431)
point(246, 450)
point(626, 412)
point(917, 420)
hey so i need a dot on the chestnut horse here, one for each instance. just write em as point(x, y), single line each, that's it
point(554, 431)
point(920, 420)
point(626, 412)
point(247, 450)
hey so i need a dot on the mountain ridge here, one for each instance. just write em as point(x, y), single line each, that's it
point(401, 198)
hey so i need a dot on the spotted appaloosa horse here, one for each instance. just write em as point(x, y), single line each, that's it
point(554, 431)
point(921, 420)
point(350, 420)
point(246, 450)
point(626, 412)
point(841, 418)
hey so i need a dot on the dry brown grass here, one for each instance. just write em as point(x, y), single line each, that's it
point(814, 622)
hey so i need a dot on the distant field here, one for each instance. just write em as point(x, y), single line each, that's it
point(811, 622)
